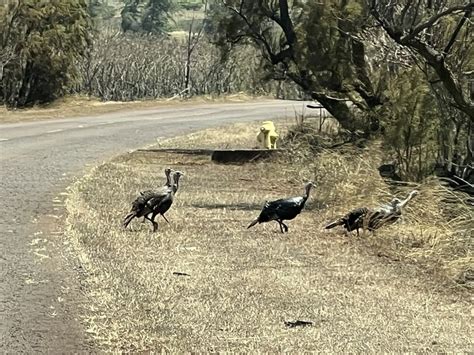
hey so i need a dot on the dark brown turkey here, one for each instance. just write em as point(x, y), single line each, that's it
point(283, 209)
point(168, 183)
point(153, 203)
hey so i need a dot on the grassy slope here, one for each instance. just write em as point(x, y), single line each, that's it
point(243, 284)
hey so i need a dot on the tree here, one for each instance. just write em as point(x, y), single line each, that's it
point(43, 41)
point(419, 26)
point(411, 123)
point(100, 9)
point(315, 45)
point(355, 50)
point(149, 16)
point(439, 34)
point(194, 36)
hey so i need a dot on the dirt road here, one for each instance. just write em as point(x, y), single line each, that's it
point(40, 285)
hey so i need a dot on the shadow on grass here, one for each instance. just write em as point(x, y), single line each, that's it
point(310, 206)
point(234, 206)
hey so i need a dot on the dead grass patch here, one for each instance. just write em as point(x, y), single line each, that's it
point(437, 226)
point(244, 284)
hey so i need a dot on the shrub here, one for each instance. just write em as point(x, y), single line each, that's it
point(43, 40)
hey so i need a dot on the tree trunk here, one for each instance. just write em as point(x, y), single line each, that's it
point(339, 109)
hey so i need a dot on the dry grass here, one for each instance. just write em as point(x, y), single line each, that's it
point(437, 226)
point(244, 284)
point(79, 106)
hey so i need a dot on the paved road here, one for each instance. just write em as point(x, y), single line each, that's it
point(40, 286)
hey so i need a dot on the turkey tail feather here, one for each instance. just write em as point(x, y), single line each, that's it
point(253, 223)
point(335, 224)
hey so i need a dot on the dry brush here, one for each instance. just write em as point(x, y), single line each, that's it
point(136, 67)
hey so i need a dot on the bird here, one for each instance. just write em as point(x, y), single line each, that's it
point(354, 220)
point(160, 205)
point(390, 213)
point(143, 205)
point(372, 219)
point(283, 209)
point(168, 183)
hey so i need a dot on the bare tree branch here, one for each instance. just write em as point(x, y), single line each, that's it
point(461, 23)
point(431, 55)
point(255, 34)
point(415, 31)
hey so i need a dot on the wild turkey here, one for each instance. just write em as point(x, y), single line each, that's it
point(148, 193)
point(144, 205)
point(372, 219)
point(160, 205)
point(167, 182)
point(283, 209)
point(353, 220)
point(389, 214)
point(363, 217)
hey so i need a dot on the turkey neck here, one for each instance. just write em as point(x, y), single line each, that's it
point(307, 192)
point(405, 201)
point(176, 183)
point(168, 177)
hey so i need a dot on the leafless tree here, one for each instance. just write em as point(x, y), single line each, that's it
point(134, 67)
point(192, 41)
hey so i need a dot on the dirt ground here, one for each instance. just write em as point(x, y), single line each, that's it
point(206, 283)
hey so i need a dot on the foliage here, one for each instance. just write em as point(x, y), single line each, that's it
point(439, 32)
point(42, 42)
point(439, 36)
point(191, 5)
point(100, 9)
point(411, 125)
point(314, 44)
point(148, 16)
point(354, 50)
point(402, 67)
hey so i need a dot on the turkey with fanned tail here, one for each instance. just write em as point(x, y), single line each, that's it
point(372, 219)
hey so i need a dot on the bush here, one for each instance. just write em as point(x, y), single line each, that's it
point(411, 125)
point(43, 40)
